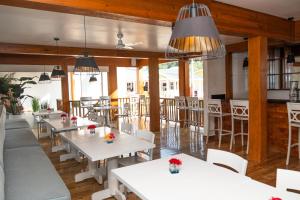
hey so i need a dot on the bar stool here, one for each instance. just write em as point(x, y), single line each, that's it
point(239, 111)
point(193, 111)
point(294, 121)
point(180, 105)
point(214, 109)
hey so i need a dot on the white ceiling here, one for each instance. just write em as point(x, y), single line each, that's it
point(280, 8)
point(27, 26)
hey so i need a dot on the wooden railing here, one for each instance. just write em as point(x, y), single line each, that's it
point(139, 107)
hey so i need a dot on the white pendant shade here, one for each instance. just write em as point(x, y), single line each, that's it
point(195, 35)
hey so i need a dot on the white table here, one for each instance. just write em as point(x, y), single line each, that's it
point(57, 125)
point(196, 180)
point(95, 148)
point(46, 113)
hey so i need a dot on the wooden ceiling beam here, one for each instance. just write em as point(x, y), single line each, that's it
point(74, 51)
point(22, 59)
point(297, 31)
point(230, 20)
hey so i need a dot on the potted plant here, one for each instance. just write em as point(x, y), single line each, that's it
point(35, 104)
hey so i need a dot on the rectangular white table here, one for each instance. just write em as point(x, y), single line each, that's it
point(46, 113)
point(57, 125)
point(95, 148)
point(196, 180)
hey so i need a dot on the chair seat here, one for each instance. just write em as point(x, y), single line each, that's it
point(131, 160)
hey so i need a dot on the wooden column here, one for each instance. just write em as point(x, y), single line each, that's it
point(65, 90)
point(257, 53)
point(154, 95)
point(112, 82)
point(228, 71)
point(184, 78)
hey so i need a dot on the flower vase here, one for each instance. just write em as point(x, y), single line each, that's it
point(174, 169)
point(92, 131)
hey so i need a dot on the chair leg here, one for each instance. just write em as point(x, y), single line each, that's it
point(232, 133)
point(221, 131)
point(208, 130)
point(242, 132)
point(289, 146)
point(248, 139)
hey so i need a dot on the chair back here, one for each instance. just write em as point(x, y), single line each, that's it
point(193, 102)
point(288, 179)
point(105, 101)
point(149, 137)
point(228, 159)
point(180, 102)
point(127, 128)
point(86, 101)
point(293, 112)
point(214, 106)
point(239, 109)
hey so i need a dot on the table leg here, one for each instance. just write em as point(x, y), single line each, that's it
point(112, 182)
point(93, 171)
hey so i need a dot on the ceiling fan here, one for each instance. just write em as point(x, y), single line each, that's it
point(122, 45)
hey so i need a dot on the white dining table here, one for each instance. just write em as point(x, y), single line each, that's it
point(95, 148)
point(197, 179)
point(46, 113)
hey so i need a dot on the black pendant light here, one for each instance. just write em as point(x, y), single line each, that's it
point(57, 71)
point(290, 59)
point(245, 63)
point(93, 79)
point(44, 77)
point(86, 63)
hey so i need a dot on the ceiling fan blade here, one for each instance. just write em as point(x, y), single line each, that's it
point(134, 44)
point(128, 47)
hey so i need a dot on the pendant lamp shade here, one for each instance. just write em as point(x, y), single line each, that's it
point(57, 73)
point(44, 78)
point(93, 79)
point(86, 63)
point(195, 35)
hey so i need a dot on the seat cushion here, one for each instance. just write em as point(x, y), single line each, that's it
point(29, 175)
point(16, 124)
point(16, 138)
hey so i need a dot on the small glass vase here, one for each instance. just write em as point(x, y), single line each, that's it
point(174, 169)
point(109, 141)
point(92, 131)
point(74, 122)
point(64, 119)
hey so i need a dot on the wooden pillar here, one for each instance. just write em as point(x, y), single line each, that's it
point(154, 95)
point(228, 71)
point(184, 78)
point(257, 53)
point(65, 90)
point(112, 82)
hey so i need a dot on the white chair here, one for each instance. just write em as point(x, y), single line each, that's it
point(193, 110)
point(294, 121)
point(86, 102)
point(239, 111)
point(140, 156)
point(214, 110)
point(228, 159)
point(127, 128)
point(288, 179)
point(180, 105)
point(124, 112)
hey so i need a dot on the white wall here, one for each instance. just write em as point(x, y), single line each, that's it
point(45, 92)
point(239, 76)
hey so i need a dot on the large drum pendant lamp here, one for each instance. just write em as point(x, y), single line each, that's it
point(195, 35)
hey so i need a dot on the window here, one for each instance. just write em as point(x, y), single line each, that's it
point(196, 78)
point(168, 78)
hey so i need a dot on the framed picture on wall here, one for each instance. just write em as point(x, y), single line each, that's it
point(130, 87)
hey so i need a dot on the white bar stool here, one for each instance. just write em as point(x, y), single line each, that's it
point(239, 111)
point(294, 121)
point(180, 105)
point(214, 108)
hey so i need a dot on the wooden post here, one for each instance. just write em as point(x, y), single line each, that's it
point(184, 78)
point(112, 82)
point(65, 90)
point(257, 53)
point(154, 95)
point(228, 71)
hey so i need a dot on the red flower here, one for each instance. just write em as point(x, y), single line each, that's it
point(74, 118)
point(112, 136)
point(63, 115)
point(92, 126)
point(175, 161)
point(49, 109)
point(275, 198)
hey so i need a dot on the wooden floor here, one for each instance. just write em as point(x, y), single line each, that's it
point(172, 141)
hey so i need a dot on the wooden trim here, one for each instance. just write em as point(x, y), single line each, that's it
point(65, 90)
point(230, 20)
point(112, 82)
point(72, 86)
point(154, 94)
point(297, 31)
point(258, 54)
point(9, 48)
point(237, 47)
point(184, 78)
point(228, 74)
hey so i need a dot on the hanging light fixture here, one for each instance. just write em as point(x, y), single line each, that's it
point(44, 77)
point(57, 71)
point(290, 59)
point(93, 79)
point(86, 63)
point(195, 35)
